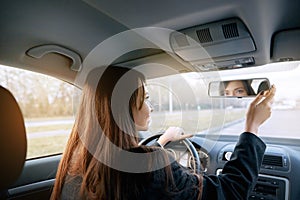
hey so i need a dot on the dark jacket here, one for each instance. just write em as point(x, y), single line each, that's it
point(236, 181)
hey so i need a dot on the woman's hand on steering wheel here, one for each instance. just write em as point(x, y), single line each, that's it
point(172, 134)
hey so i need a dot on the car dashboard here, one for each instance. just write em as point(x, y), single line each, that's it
point(278, 173)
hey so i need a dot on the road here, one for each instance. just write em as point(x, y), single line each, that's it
point(283, 123)
point(49, 122)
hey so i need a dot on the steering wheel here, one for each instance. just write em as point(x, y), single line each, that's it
point(195, 156)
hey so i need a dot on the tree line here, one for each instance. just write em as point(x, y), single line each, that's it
point(39, 95)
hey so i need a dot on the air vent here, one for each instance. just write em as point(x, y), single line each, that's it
point(204, 35)
point(230, 30)
point(271, 160)
point(217, 39)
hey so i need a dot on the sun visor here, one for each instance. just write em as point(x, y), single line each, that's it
point(213, 40)
point(286, 45)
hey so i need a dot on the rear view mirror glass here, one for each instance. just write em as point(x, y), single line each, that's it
point(238, 88)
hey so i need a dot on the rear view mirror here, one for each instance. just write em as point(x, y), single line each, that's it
point(238, 88)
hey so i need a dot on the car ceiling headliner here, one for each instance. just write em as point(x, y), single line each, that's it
point(81, 25)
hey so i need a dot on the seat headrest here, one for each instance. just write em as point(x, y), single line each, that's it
point(13, 142)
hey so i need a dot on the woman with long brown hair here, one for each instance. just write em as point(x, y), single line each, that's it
point(103, 160)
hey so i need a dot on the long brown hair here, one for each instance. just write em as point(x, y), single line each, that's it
point(104, 119)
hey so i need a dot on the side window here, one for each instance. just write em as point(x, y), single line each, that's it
point(47, 107)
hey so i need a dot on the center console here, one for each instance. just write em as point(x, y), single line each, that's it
point(269, 188)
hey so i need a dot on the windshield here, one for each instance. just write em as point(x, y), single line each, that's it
point(182, 100)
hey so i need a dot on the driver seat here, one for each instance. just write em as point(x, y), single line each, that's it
point(13, 142)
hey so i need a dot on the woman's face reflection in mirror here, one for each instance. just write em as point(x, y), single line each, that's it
point(235, 88)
